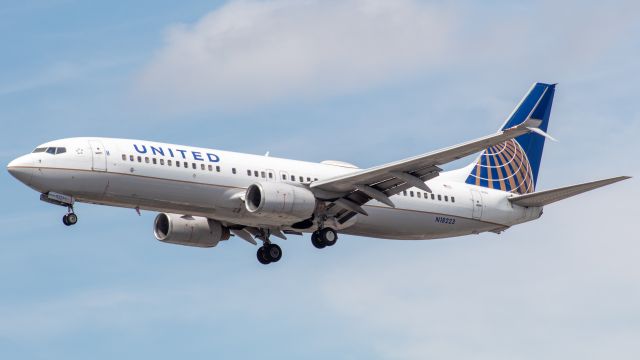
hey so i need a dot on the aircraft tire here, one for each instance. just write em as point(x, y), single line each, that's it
point(273, 252)
point(328, 236)
point(316, 241)
point(262, 256)
point(72, 218)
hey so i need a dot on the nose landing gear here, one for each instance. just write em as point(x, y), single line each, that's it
point(70, 218)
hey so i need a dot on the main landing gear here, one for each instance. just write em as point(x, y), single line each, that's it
point(70, 218)
point(324, 237)
point(268, 253)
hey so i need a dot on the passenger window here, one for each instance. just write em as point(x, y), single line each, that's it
point(316, 179)
point(61, 150)
point(433, 197)
point(233, 170)
point(154, 161)
point(218, 169)
point(51, 150)
point(169, 162)
point(248, 172)
point(139, 159)
point(202, 167)
point(146, 159)
point(255, 173)
point(404, 192)
point(263, 174)
point(177, 163)
point(446, 198)
point(453, 199)
point(186, 164)
point(426, 196)
point(193, 166)
point(301, 179)
point(439, 197)
point(293, 178)
point(124, 157)
point(284, 177)
point(210, 167)
point(130, 157)
point(418, 194)
point(308, 179)
point(270, 176)
point(162, 162)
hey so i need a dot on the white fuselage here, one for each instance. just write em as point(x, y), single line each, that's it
point(211, 183)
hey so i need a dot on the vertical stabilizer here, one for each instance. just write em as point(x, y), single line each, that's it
point(514, 165)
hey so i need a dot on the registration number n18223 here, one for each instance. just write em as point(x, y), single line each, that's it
point(445, 220)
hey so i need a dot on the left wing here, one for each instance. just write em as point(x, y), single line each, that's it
point(352, 190)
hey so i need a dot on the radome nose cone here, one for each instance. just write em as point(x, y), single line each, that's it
point(21, 169)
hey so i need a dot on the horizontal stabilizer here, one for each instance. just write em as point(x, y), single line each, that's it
point(543, 198)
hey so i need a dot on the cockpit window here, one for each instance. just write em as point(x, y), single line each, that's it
point(51, 150)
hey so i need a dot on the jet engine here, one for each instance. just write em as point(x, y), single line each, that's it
point(284, 203)
point(189, 230)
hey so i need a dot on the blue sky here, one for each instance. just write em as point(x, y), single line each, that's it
point(363, 81)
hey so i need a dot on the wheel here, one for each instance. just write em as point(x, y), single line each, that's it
point(316, 241)
point(72, 218)
point(328, 236)
point(262, 256)
point(273, 252)
point(65, 220)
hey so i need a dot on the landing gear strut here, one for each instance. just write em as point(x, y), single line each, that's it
point(324, 237)
point(268, 252)
point(70, 218)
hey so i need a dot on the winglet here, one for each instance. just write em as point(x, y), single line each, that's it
point(541, 132)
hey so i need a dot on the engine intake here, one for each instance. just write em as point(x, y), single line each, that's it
point(189, 230)
point(285, 203)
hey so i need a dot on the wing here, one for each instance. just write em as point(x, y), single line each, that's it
point(543, 198)
point(348, 192)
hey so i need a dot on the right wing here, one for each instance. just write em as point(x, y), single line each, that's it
point(547, 197)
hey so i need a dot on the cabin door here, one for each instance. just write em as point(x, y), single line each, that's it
point(478, 206)
point(98, 155)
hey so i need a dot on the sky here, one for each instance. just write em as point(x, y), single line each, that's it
point(363, 81)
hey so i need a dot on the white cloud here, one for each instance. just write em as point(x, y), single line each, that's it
point(251, 52)
point(256, 52)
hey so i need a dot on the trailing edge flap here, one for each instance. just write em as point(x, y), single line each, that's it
point(543, 198)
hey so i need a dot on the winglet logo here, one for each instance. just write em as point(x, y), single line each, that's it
point(503, 167)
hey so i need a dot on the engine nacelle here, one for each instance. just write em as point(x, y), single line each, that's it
point(278, 201)
point(189, 230)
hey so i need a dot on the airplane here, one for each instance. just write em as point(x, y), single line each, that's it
point(205, 196)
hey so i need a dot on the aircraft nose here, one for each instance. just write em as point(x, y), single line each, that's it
point(22, 169)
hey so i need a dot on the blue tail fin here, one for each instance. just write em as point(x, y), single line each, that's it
point(514, 165)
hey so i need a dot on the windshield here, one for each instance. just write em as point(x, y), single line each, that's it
point(50, 150)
